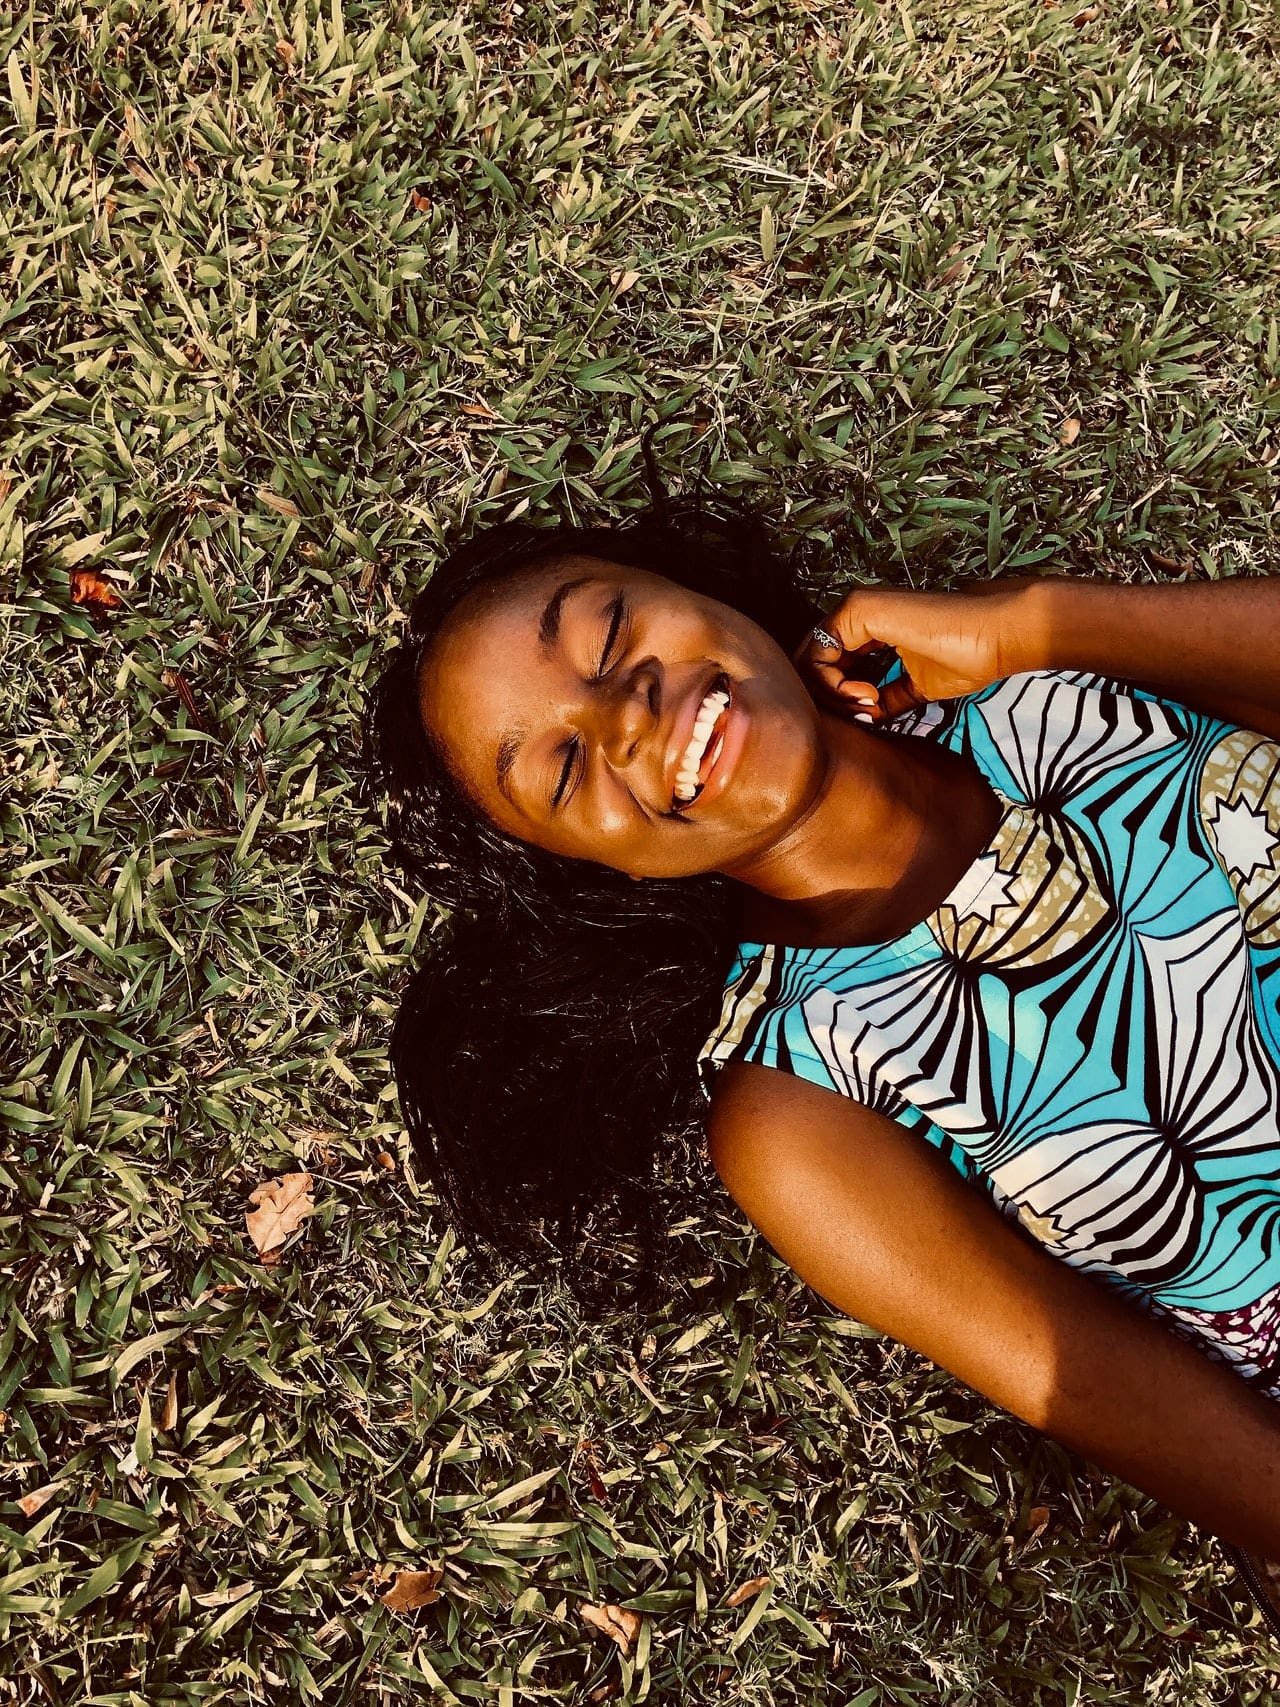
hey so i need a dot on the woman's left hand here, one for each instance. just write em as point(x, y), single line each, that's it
point(949, 643)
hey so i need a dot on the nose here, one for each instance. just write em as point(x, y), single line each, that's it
point(629, 715)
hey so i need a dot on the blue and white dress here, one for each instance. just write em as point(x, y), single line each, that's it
point(1088, 1027)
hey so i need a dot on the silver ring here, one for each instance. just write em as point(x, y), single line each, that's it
point(824, 639)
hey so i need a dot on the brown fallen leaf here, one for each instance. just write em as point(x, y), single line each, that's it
point(94, 590)
point(178, 684)
point(286, 50)
point(421, 202)
point(747, 1590)
point(587, 1459)
point(1069, 431)
point(169, 1412)
point(386, 1160)
point(412, 1589)
point(282, 506)
point(478, 411)
point(1038, 1518)
point(38, 1498)
point(282, 1206)
point(1170, 565)
point(617, 1622)
point(223, 1596)
point(622, 281)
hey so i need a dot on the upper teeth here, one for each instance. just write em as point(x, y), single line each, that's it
point(703, 724)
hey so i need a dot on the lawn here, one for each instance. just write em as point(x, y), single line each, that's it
point(292, 293)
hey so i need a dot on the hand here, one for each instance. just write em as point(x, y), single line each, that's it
point(949, 643)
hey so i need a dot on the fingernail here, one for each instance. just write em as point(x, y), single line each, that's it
point(863, 717)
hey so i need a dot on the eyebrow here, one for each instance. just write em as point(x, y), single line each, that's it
point(548, 634)
point(549, 621)
point(508, 747)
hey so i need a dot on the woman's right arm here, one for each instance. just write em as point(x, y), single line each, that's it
point(879, 1223)
point(1210, 645)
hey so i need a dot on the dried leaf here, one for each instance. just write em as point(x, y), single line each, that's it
point(286, 50)
point(586, 1457)
point(282, 1205)
point(169, 1413)
point(412, 1589)
point(177, 683)
point(617, 1622)
point(224, 1596)
point(90, 588)
point(421, 203)
point(1069, 431)
point(747, 1590)
point(281, 506)
point(1038, 1518)
point(623, 281)
point(38, 1498)
point(386, 1160)
point(478, 411)
point(1170, 565)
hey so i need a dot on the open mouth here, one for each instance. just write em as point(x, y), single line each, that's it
point(705, 743)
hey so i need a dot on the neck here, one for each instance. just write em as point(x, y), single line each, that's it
point(890, 829)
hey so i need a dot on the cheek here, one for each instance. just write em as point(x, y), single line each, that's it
point(614, 823)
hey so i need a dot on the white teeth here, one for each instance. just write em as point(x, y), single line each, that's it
point(694, 753)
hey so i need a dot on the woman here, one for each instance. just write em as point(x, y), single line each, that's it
point(994, 944)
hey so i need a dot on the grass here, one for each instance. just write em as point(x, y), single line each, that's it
point(290, 293)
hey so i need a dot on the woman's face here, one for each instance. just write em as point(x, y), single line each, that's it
point(606, 713)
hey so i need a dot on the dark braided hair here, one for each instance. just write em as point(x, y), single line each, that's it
point(545, 1054)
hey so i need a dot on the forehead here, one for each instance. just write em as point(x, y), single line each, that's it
point(506, 614)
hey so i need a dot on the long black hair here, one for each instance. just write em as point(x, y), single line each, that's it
point(545, 1054)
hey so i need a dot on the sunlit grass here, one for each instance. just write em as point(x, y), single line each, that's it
point(288, 295)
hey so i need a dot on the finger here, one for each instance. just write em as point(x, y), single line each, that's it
point(899, 695)
point(824, 674)
point(846, 691)
point(861, 697)
point(812, 651)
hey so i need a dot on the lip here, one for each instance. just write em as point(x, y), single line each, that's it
point(736, 723)
point(682, 734)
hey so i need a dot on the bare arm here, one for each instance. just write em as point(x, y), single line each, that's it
point(1211, 645)
point(883, 1228)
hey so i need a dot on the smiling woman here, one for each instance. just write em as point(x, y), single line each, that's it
point(615, 727)
point(547, 1055)
point(989, 913)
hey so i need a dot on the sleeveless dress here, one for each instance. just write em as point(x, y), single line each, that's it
point(1088, 1027)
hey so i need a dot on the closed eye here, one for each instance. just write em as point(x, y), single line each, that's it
point(571, 751)
point(610, 652)
point(608, 656)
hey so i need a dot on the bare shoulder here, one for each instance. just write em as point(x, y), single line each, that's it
point(884, 1228)
point(768, 1131)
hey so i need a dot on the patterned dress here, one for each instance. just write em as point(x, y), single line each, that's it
point(1088, 1027)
